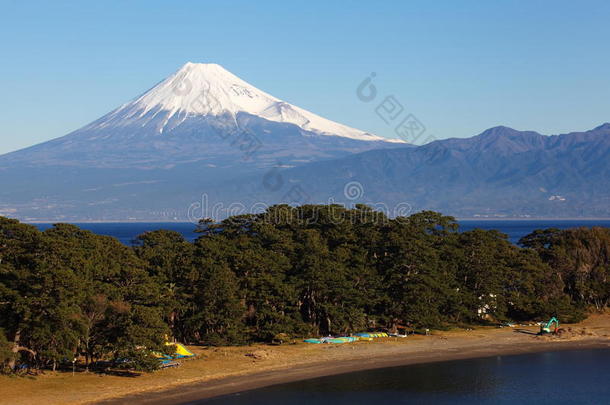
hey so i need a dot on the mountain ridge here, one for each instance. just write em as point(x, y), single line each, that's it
point(197, 113)
point(198, 126)
point(204, 134)
point(565, 175)
point(501, 172)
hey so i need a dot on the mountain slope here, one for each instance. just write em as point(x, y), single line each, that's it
point(150, 157)
point(501, 172)
point(209, 89)
point(200, 113)
point(204, 143)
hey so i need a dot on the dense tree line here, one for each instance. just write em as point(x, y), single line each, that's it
point(66, 293)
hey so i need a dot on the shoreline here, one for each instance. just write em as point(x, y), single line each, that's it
point(45, 222)
point(220, 371)
point(517, 219)
point(215, 388)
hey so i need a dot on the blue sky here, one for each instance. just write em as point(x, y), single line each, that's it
point(460, 67)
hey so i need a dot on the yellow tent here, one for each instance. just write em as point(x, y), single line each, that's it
point(181, 350)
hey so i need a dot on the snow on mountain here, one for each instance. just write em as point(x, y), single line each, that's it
point(197, 132)
point(207, 89)
point(201, 113)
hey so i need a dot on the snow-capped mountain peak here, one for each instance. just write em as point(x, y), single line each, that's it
point(208, 89)
point(204, 89)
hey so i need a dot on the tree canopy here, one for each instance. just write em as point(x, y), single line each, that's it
point(66, 293)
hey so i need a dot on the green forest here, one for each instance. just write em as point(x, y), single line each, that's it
point(313, 270)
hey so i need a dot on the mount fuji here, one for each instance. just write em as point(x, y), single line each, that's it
point(201, 113)
point(195, 132)
point(204, 143)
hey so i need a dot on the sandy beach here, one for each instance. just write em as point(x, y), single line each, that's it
point(225, 370)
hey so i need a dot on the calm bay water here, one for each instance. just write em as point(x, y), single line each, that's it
point(126, 232)
point(515, 229)
point(568, 377)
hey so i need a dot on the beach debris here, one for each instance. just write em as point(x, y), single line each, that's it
point(360, 336)
point(259, 354)
point(568, 334)
point(550, 327)
point(170, 364)
point(371, 334)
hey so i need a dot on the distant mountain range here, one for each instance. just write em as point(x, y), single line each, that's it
point(203, 137)
point(500, 173)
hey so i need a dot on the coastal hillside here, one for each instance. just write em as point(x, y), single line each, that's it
point(187, 176)
point(286, 274)
point(501, 173)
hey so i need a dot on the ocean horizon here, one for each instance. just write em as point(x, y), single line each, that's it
point(126, 232)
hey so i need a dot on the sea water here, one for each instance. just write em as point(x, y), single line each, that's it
point(563, 377)
point(515, 229)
